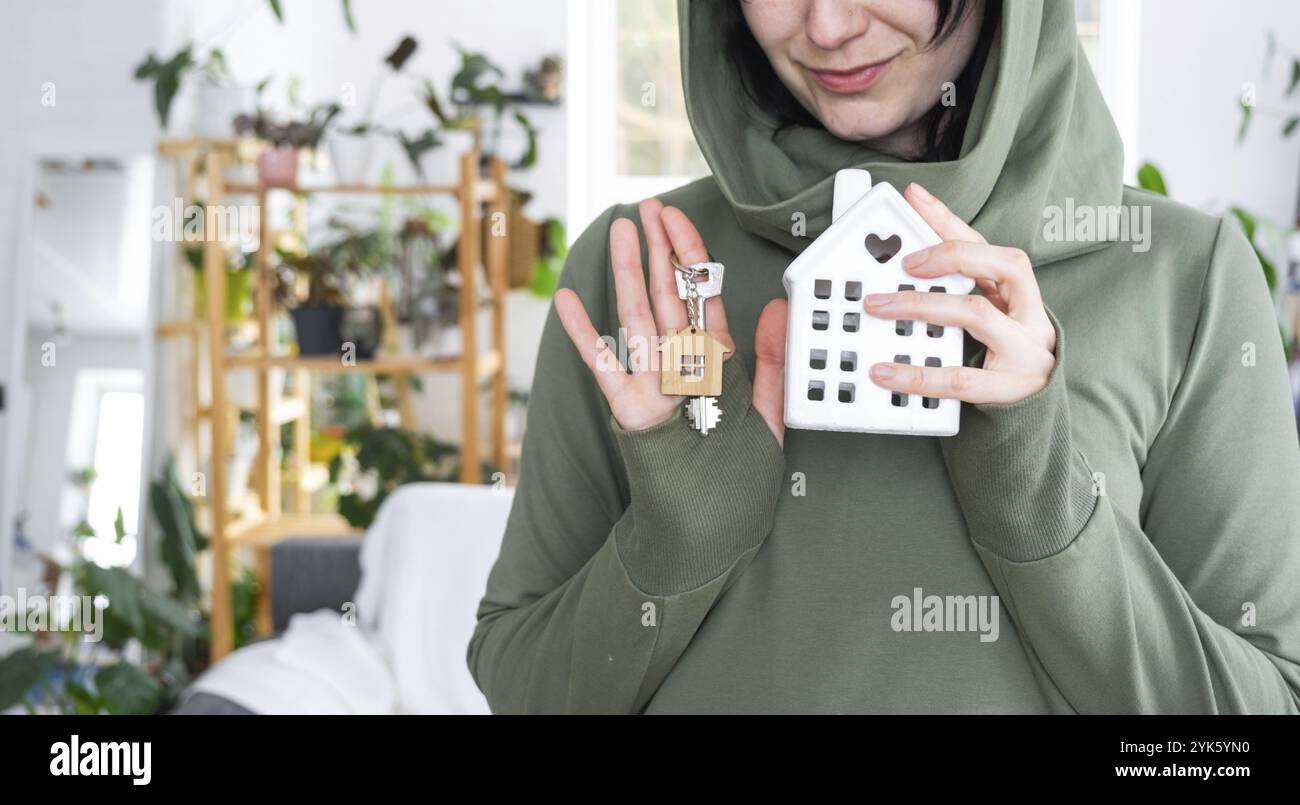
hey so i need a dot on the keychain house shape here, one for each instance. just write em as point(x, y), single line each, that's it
point(831, 342)
point(691, 362)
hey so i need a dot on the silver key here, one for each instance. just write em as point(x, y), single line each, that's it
point(695, 284)
point(704, 413)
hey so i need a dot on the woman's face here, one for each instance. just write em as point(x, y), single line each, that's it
point(865, 68)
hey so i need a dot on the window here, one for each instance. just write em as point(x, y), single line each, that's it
point(653, 135)
point(629, 137)
point(119, 435)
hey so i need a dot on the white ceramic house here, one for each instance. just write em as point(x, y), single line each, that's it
point(831, 342)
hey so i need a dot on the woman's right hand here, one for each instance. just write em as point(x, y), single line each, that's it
point(635, 399)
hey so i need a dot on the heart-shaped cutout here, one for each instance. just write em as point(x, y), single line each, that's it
point(883, 249)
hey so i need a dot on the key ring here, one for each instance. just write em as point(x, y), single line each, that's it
point(694, 269)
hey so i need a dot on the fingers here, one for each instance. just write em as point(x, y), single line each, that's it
point(1007, 269)
point(769, 367)
point(975, 314)
point(990, 290)
point(976, 386)
point(689, 246)
point(669, 309)
point(629, 285)
point(942, 220)
point(593, 349)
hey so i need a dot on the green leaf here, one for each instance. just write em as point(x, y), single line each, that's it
point(276, 10)
point(1249, 225)
point(1247, 222)
point(1246, 112)
point(180, 542)
point(21, 670)
point(123, 591)
point(1295, 77)
point(347, 16)
point(83, 529)
point(529, 157)
point(1151, 179)
point(466, 85)
point(119, 526)
point(84, 702)
point(1289, 127)
point(418, 147)
point(125, 689)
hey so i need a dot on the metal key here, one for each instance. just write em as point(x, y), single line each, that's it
point(695, 284)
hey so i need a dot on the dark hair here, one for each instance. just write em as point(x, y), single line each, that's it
point(944, 126)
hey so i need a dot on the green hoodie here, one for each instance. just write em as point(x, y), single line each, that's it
point(1125, 540)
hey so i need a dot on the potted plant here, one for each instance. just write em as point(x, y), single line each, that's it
point(352, 147)
point(475, 86)
point(154, 637)
point(278, 165)
point(239, 285)
point(217, 98)
point(325, 320)
point(318, 318)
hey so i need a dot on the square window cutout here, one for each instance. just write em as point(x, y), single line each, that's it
point(817, 359)
point(931, 402)
point(816, 390)
point(851, 322)
point(821, 320)
point(853, 291)
point(848, 361)
point(846, 392)
point(822, 289)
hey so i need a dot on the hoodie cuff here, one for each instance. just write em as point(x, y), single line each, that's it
point(1025, 491)
point(698, 502)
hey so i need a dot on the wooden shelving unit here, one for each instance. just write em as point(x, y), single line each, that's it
point(476, 364)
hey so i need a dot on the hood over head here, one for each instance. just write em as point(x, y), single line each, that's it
point(1039, 133)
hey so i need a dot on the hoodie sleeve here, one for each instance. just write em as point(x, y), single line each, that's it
point(619, 542)
point(1196, 608)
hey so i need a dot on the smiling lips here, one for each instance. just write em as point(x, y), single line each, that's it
point(853, 80)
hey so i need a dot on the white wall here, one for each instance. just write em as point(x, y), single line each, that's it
point(315, 45)
point(1195, 57)
point(86, 51)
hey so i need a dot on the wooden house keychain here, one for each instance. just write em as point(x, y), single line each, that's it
point(690, 362)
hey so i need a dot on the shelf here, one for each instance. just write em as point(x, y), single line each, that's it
point(261, 531)
point(489, 363)
point(174, 329)
point(184, 146)
point(484, 190)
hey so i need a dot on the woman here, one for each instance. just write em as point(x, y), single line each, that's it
point(1114, 529)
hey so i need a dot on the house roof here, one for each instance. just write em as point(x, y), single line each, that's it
point(883, 202)
point(687, 340)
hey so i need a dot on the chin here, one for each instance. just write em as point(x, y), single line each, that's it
point(860, 122)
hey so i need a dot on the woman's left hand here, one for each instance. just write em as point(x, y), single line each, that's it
point(1007, 317)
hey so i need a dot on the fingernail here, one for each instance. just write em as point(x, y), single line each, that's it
point(882, 371)
point(915, 258)
point(922, 193)
point(879, 299)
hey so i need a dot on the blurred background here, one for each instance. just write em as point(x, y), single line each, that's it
point(397, 182)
